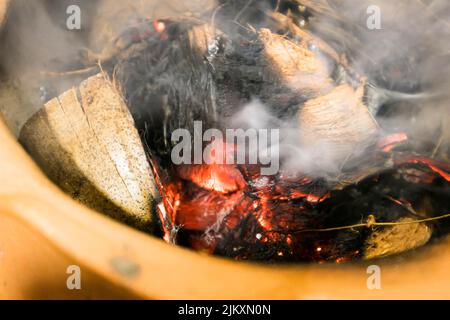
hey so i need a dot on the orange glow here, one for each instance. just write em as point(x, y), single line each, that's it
point(440, 169)
point(213, 177)
point(213, 203)
point(387, 144)
point(159, 26)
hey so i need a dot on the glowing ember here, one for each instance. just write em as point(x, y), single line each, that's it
point(233, 211)
point(214, 177)
point(442, 169)
point(388, 143)
point(159, 26)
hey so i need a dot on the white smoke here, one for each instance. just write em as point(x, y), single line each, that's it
point(407, 64)
point(319, 160)
point(413, 38)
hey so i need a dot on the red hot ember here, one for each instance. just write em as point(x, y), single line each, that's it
point(237, 212)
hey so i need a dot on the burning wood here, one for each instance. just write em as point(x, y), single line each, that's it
point(237, 212)
point(290, 214)
point(380, 197)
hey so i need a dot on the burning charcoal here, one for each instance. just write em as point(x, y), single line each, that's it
point(213, 177)
point(293, 218)
point(86, 142)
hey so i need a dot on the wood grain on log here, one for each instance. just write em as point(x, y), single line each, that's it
point(86, 142)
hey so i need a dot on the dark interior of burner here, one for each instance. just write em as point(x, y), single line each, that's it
point(286, 219)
